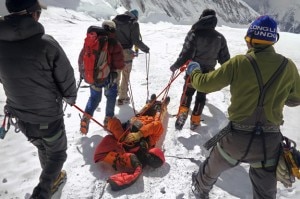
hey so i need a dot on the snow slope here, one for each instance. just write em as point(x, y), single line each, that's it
point(183, 149)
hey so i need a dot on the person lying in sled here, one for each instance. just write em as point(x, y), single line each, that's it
point(131, 146)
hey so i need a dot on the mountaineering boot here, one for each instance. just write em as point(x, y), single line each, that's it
point(199, 194)
point(36, 193)
point(152, 99)
point(195, 121)
point(181, 117)
point(59, 180)
point(123, 101)
point(105, 121)
point(84, 124)
point(167, 101)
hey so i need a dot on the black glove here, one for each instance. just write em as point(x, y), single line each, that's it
point(147, 50)
point(112, 78)
point(81, 76)
point(173, 68)
point(136, 53)
point(70, 100)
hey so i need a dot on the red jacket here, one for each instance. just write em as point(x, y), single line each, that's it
point(116, 53)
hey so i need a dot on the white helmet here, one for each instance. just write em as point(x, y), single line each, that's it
point(109, 25)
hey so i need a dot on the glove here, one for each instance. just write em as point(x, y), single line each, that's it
point(81, 76)
point(282, 173)
point(191, 67)
point(147, 50)
point(112, 79)
point(173, 68)
point(70, 100)
point(136, 51)
point(133, 137)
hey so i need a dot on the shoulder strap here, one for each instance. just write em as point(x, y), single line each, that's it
point(102, 40)
point(263, 88)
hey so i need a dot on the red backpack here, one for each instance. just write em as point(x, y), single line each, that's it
point(96, 59)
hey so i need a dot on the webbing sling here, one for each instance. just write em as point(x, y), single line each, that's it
point(263, 89)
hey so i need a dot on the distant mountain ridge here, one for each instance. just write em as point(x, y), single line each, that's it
point(233, 13)
point(286, 12)
point(188, 11)
point(230, 12)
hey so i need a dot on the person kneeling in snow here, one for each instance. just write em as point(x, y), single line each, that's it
point(131, 146)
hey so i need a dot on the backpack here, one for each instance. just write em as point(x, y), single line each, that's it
point(96, 59)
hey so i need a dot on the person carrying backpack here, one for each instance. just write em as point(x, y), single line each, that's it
point(128, 34)
point(36, 76)
point(261, 83)
point(204, 45)
point(114, 61)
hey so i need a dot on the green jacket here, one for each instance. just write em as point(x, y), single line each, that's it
point(239, 74)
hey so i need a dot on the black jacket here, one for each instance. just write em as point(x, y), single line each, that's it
point(128, 32)
point(205, 45)
point(34, 70)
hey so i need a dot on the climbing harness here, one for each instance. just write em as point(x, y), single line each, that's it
point(259, 128)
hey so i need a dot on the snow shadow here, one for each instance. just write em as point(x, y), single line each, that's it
point(211, 125)
point(236, 180)
point(89, 145)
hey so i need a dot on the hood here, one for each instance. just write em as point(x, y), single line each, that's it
point(15, 28)
point(123, 19)
point(207, 22)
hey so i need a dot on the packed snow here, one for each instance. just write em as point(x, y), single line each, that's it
point(183, 149)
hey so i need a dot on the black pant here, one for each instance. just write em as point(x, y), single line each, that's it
point(187, 96)
point(51, 142)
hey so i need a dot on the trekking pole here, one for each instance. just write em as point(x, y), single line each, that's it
point(147, 73)
point(131, 96)
point(79, 83)
point(89, 116)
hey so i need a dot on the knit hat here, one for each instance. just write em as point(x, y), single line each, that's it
point(135, 13)
point(262, 31)
point(207, 12)
point(109, 25)
point(26, 6)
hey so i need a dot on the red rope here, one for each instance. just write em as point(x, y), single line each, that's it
point(166, 89)
point(89, 116)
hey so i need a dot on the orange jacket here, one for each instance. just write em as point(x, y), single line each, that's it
point(151, 128)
